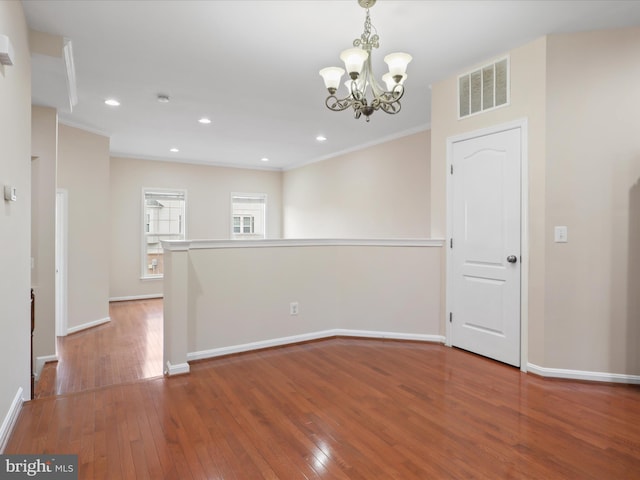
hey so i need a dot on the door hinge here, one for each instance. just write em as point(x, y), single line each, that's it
point(452, 169)
point(451, 242)
point(450, 317)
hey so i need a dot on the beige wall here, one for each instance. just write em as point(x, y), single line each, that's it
point(593, 168)
point(208, 210)
point(44, 144)
point(239, 297)
point(377, 192)
point(579, 93)
point(83, 170)
point(528, 94)
point(15, 217)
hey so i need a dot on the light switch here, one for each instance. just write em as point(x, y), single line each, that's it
point(560, 234)
point(10, 193)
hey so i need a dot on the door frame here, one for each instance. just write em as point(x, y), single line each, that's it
point(522, 124)
point(61, 262)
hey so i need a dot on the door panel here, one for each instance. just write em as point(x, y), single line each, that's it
point(486, 231)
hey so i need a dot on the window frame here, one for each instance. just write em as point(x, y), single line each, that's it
point(248, 236)
point(144, 275)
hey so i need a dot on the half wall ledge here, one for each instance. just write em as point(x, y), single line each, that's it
point(182, 245)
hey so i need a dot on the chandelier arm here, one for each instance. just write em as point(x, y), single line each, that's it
point(356, 93)
point(391, 108)
point(359, 105)
point(338, 104)
point(377, 90)
point(392, 96)
point(370, 80)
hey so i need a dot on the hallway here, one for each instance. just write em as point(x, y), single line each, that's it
point(124, 350)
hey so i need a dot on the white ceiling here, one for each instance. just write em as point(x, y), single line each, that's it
point(252, 67)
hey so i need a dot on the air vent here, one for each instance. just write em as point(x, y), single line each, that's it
point(484, 89)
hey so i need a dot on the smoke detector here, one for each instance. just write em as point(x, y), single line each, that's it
point(162, 98)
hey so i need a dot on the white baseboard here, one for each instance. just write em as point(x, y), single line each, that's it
point(136, 297)
point(10, 420)
point(84, 326)
point(418, 337)
point(177, 369)
point(582, 375)
point(337, 332)
point(40, 361)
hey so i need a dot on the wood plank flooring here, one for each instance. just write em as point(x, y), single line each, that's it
point(342, 409)
point(126, 349)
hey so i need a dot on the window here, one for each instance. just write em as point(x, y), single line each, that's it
point(248, 215)
point(244, 224)
point(164, 214)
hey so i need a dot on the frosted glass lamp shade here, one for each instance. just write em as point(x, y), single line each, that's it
point(353, 59)
point(390, 82)
point(398, 63)
point(332, 76)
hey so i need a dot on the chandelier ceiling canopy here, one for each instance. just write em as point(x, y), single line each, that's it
point(364, 94)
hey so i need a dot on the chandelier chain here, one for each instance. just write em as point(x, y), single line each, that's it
point(366, 41)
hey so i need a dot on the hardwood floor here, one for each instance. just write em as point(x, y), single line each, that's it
point(342, 409)
point(126, 349)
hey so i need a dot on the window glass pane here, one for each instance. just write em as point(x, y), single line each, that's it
point(164, 214)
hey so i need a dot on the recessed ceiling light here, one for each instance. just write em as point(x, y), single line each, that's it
point(112, 102)
point(174, 150)
point(321, 138)
point(264, 159)
point(205, 120)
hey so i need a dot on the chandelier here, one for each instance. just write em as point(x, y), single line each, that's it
point(365, 94)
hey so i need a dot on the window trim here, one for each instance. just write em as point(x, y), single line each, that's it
point(143, 245)
point(245, 236)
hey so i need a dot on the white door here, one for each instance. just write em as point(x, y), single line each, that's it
point(485, 245)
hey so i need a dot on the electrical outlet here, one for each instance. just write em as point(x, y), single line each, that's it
point(293, 308)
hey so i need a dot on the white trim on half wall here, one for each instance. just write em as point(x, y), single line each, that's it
point(178, 369)
point(306, 337)
point(84, 326)
point(136, 297)
point(40, 361)
point(583, 375)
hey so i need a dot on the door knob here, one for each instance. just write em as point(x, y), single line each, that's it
point(512, 259)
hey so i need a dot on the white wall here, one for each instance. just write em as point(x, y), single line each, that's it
point(83, 170)
point(15, 218)
point(44, 145)
point(208, 210)
point(593, 174)
point(377, 192)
